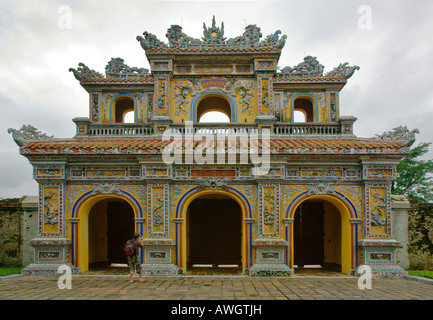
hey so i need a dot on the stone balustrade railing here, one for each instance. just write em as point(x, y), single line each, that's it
point(85, 128)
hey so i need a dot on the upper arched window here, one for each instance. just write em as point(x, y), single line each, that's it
point(303, 110)
point(124, 110)
point(213, 109)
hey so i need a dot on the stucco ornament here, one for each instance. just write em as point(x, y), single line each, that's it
point(401, 134)
point(309, 68)
point(176, 38)
point(149, 41)
point(343, 70)
point(84, 71)
point(116, 68)
point(213, 35)
point(26, 134)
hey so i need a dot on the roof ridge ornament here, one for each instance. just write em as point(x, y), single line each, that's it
point(311, 67)
point(213, 36)
point(343, 70)
point(26, 134)
point(84, 71)
point(116, 68)
point(401, 134)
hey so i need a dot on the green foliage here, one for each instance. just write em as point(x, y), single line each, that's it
point(5, 271)
point(421, 236)
point(415, 176)
point(421, 273)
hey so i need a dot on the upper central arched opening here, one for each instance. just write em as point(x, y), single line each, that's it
point(124, 110)
point(213, 108)
point(303, 110)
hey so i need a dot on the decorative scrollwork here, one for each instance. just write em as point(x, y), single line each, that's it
point(213, 36)
point(116, 68)
point(84, 71)
point(27, 133)
point(343, 70)
point(309, 68)
point(107, 188)
point(401, 134)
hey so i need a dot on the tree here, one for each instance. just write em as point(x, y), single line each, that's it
point(415, 176)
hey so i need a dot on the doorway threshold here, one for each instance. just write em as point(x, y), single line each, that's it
point(211, 270)
point(316, 271)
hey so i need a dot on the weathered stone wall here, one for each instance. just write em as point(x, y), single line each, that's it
point(30, 228)
point(400, 219)
point(11, 215)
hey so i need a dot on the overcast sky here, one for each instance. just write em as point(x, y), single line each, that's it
point(391, 40)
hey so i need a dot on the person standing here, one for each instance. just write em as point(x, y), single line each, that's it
point(131, 249)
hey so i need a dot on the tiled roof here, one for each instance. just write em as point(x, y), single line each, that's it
point(156, 145)
point(206, 49)
point(282, 79)
point(115, 80)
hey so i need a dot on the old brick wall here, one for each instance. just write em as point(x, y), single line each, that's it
point(11, 233)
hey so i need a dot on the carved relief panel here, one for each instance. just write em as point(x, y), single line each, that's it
point(158, 210)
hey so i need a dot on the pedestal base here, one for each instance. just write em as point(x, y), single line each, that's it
point(270, 270)
point(160, 270)
point(379, 255)
point(269, 259)
point(35, 269)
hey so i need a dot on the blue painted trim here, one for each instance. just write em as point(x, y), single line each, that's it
point(287, 247)
point(129, 197)
point(349, 202)
point(177, 214)
point(292, 202)
point(304, 94)
point(73, 243)
point(123, 95)
point(234, 109)
point(250, 233)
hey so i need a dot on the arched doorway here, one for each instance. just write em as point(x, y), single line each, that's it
point(317, 235)
point(105, 223)
point(322, 235)
point(213, 103)
point(213, 234)
point(111, 224)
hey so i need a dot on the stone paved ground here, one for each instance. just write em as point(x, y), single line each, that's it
point(91, 287)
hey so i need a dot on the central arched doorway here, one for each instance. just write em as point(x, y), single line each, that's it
point(214, 233)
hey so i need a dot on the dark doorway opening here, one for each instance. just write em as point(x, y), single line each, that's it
point(309, 234)
point(317, 235)
point(111, 224)
point(215, 233)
